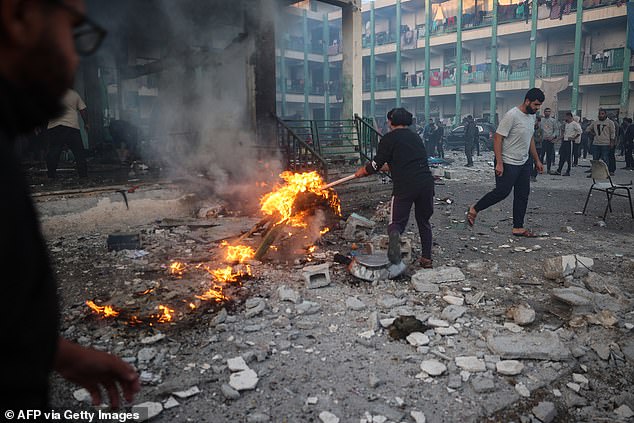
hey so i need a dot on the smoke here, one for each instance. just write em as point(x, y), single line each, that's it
point(200, 126)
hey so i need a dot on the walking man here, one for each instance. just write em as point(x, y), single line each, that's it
point(604, 138)
point(550, 126)
point(404, 153)
point(513, 142)
point(65, 131)
point(572, 132)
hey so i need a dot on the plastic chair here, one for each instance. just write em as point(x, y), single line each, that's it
point(601, 181)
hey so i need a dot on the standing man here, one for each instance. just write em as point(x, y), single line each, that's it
point(404, 153)
point(538, 138)
point(39, 58)
point(628, 142)
point(604, 138)
point(572, 134)
point(512, 144)
point(470, 137)
point(550, 126)
point(438, 134)
point(585, 137)
point(65, 131)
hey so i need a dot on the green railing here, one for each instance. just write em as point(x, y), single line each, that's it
point(299, 153)
point(369, 137)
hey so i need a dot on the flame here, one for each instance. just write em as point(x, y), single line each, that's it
point(311, 249)
point(280, 201)
point(167, 314)
point(239, 253)
point(135, 320)
point(192, 306)
point(177, 268)
point(213, 294)
point(106, 311)
point(324, 231)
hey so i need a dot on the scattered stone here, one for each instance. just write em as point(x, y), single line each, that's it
point(545, 411)
point(328, 417)
point(542, 346)
point(446, 331)
point(417, 339)
point(425, 287)
point(354, 303)
point(513, 327)
point(453, 312)
point(147, 410)
point(522, 390)
point(482, 384)
point(602, 350)
point(418, 416)
point(244, 380)
point(82, 395)
point(254, 306)
point(374, 380)
point(574, 386)
point(307, 307)
point(237, 364)
point(229, 392)
point(220, 317)
point(453, 300)
point(152, 339)
point(567, 229)
point(562, 266)
point(317, 276)
point(509, 367)
point(624, 411)
point(353, 222)
point(287, 294)
point(580, 379)
point(170, 403)
point(471, 364)
point(390, 301)
point(573, 296)
point(474, 299)
point(146, 355)
point(439, 275)
point(522, 314)
point(433, 367)
point(312, 400)
point(437, 323)
point(455, 382)
point(188, 393)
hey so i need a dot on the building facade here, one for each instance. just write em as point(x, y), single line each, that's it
point(483, 58)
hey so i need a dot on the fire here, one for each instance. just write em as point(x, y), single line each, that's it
point(213, 294)
point(106, 311)
point(324, 231)
point(311, 249)
point(239, 253)
point(280, 201)
point(167, 314)
point(177, 268)
point(227, 274)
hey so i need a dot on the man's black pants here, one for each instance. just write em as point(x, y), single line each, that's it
point(576, 152)
point(564, 155)
point(549, 150)
point(629, 160)
point(468, 151)
point(423, 201)
point(58, 137)
point(516, 178)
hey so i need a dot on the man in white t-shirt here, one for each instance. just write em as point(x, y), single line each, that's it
point(572, 134)
point(512, 144)
point(64, 131)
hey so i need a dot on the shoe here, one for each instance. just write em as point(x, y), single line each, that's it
point(587, 171)
point(469, 165)
point(589, 176)
point(566, 174)
point(426, 263)
point(526, 234)
point(611, 173)
point(574, 165)
point(557, 172)
point(394, 248)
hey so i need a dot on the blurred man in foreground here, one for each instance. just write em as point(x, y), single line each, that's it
point(39, 45)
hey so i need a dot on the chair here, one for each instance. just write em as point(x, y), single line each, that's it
point(600, 174)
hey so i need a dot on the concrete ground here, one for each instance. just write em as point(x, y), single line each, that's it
point(326, 354)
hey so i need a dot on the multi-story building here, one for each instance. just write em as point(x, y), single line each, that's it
point(491, 53)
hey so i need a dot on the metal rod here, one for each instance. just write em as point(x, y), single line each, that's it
point(339, 181)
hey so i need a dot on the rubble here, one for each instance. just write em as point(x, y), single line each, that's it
point(560, 267)
point(543, 346)
point(243, 380)
point(317, 276)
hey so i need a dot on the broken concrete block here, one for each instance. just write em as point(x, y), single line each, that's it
point(482, 384)
point(433, 367)
point(244, 380)
point(288, 294)
point(417, 339)
point(356, 221)
point(450, 174)
point(471, 364)
point(228, 392)
point(581, 299)
point(542, 346)
point(439, 275)
point(147, 410)
point(568, 265)
point(317, 276)
point(452, 312)
point(509, 367)
point(545, 411)
point(328, 417)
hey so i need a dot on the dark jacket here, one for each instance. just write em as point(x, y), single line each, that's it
point(405, 153)
point(29, 313)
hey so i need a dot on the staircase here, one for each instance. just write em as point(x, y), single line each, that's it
point(335, 148)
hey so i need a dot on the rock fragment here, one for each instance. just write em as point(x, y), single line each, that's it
point(545, 411)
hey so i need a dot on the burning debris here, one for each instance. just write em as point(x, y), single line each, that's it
point(295, 213)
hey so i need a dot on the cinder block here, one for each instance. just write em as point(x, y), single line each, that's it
point(451, 174)
point(317, 276)
point(356, 221)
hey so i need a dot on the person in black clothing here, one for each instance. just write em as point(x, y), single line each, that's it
point(628, 144)
point(404, 154)
point(470, 137)
point(37, 67)
point(439, 132)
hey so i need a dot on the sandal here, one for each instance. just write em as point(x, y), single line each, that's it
point(471, 216)
point(526, 234)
